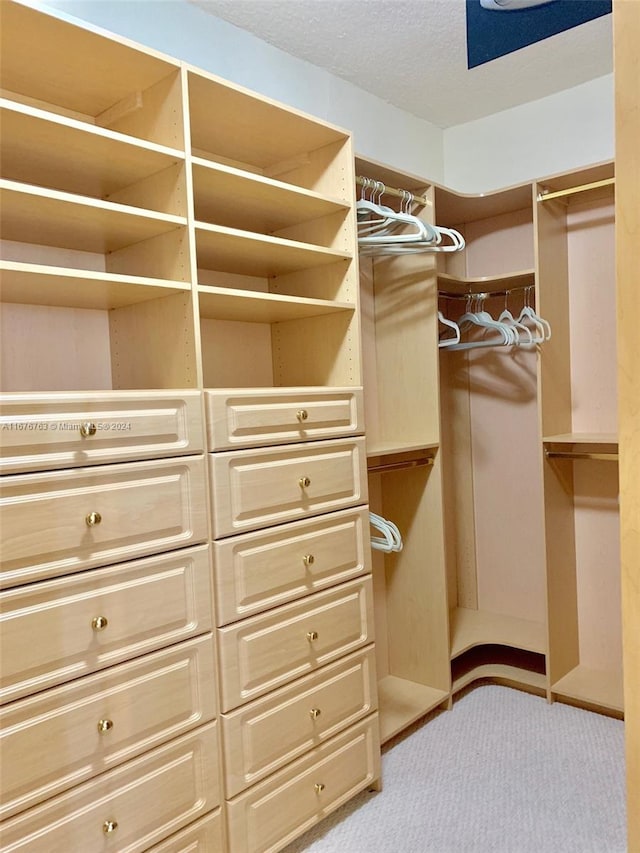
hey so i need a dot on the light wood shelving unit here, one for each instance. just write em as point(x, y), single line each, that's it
point(403, 439)
point(166, 266)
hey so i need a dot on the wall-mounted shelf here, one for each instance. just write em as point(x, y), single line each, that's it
point(594, 686)
point(227, 196)
point(36, 284)
point(485, 284)
point(232, 250)
point(50, 150)
point(402, 702)
point(35, 215)
point(219, 303)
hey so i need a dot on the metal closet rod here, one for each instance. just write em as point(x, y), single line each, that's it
point(545, 195)
point(484, 294)
point(371, 182)
point(579, 454)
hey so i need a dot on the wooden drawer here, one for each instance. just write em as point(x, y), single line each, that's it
point(47, 633)
point(45, 431)
point(257, 571)
point(244, 417)
point(203, 836)
point(259, 488)
point(267, 734)
point(143, 508)
point(271, 814)
point(59, 738)
point(270, 650)
point(147, 800)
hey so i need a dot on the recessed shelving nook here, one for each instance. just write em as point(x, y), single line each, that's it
point(491, 452)
point(575, 224)
point(95, 247)
point(274, 234)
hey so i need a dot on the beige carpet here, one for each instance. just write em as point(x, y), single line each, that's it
point(503, 771)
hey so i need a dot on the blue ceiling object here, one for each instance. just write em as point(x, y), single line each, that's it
point(494, 33)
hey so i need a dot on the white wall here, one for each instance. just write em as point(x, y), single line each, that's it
point(381, 132)
point(564, 131)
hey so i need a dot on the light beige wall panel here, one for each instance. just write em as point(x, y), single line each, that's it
point(164, 191)
point(164, 256)
point(153, 344)
point(236, 354)
point(507, 483)
point(46, 348)
point(499, 244)
point(592, 305)
point(34, 253)
point(597, 534)
point(626, 18)
point(317, 351)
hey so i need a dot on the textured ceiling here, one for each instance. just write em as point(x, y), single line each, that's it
point(412, 53)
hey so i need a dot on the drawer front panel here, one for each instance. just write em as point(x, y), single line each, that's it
point(274, 812)
point(259, 488)
point(58, 523)
point(204, 836)
point(145, 801)
point(269, 733)
point(243, 418)
point(59, 738)
point(257, 571)
point(46, 431)
point(49, 633)
point(270, 650)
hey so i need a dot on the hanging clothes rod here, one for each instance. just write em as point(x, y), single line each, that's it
point(577, 454)
point(607, 182)
point(400, 466)
point(369, 183)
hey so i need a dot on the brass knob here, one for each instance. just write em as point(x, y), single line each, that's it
point(319, 787)
point(312, 635)
point(308, 559)
point(109, 826)
point(303, 482)
point(93, 518)
point(105, 726)
point(302, 414)
point(314, 713)
point(87, 429)
point(99, 623)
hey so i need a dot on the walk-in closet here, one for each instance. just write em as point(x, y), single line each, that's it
point(296, 446)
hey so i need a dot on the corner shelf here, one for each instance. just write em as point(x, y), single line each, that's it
point(35, 215)
point(232, 250)
point(471, 628)
point(485, 284)
point(220, 303)
point(37, 284)
point(254, 202)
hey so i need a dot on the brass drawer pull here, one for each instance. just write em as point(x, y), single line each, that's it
point(314, 713)
point(87, 429)
point(302, 414)
point(109, 826)
point(319, 787)
point(99, 623)
point(105, 726)
point(308, 559)
point(93, 518)
point(304, 482)
point(312, 635)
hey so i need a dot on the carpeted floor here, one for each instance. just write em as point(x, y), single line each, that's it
point(503, 771)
